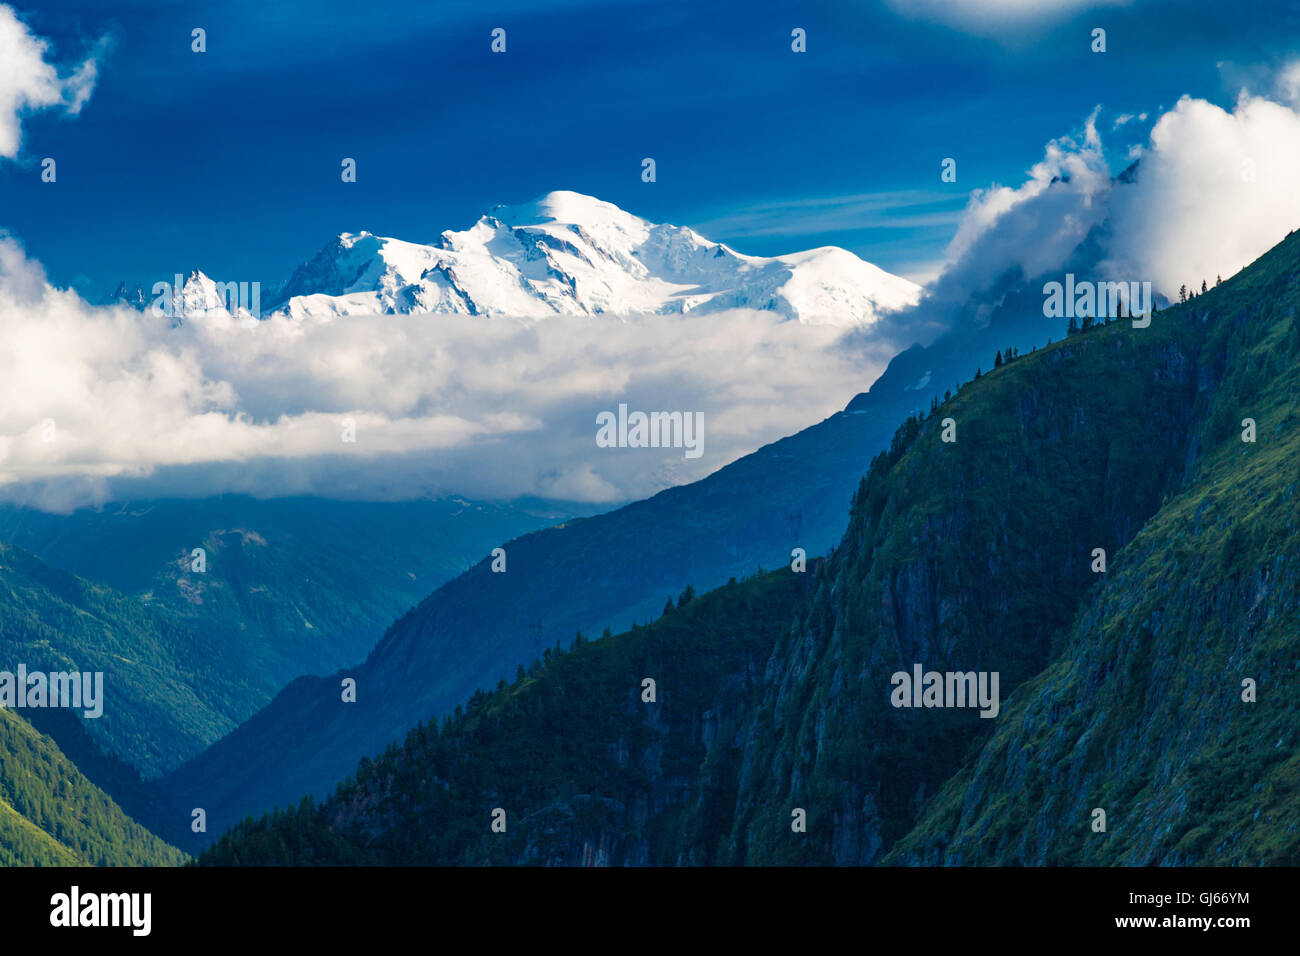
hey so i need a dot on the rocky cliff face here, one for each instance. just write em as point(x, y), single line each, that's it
point(970, 555)
point(1147, 714)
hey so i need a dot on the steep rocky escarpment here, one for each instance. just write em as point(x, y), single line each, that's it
point(1147, 714)
point(969, 555)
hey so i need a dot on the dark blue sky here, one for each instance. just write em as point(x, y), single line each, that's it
point(229, 160)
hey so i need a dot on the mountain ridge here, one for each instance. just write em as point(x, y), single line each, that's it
point(52, 815)
point(564, 253)
point(481, 625)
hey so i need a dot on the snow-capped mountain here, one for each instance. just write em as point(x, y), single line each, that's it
point(194, 296)
point(570, 254)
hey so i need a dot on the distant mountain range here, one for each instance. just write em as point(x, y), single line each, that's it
point(583, 575)
point(563, 254)
point(289, 585)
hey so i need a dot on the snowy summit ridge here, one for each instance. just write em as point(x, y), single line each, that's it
point(571, 254)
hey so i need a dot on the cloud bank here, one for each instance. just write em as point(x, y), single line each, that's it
point(1214, 191)
point(29, 83)
point(106, 402)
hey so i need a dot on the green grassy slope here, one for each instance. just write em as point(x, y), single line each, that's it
point(51, 815)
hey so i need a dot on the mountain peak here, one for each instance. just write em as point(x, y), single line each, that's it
point(567, 253)
point(568, 208)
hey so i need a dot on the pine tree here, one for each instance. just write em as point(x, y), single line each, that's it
point(997, 359)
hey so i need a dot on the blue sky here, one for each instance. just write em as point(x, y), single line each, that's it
point(228, 161)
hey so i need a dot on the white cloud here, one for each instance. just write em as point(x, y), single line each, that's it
point(1052, 221)
point(1010, 233)
point(1124, 118)
point(994, 16)
point(1288, 84)
point(491, 408)
point(28, 82)
point(1215, 190)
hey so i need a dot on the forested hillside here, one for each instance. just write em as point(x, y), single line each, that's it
point(167, 690)
point(51, 815)
point(582, 764)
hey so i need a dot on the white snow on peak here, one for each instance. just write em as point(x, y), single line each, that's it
point(566, 253)
point(566, 208)
point(198, 297)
